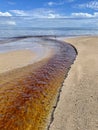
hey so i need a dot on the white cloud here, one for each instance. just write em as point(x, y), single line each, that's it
point(49, 13)
point(5, 14)
point(96, 14)
point(53, 15)
point(81, 15)
point(55, 3)
point(61, 2)
point(38, 13)
point(19, 12)
point(45, 13)
point(50, 3)
point(91, 5)
point(85, 15)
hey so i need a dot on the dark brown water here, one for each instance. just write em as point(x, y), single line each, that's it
point(27, 95)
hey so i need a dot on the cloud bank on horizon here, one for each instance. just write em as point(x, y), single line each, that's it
point(50, 8)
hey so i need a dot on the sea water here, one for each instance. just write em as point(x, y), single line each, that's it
point(28, 26)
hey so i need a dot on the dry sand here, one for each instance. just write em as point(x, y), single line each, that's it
point(15, 59)
point(78, 105)
point(20, 58)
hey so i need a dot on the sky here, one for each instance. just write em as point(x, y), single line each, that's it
point(50, 8)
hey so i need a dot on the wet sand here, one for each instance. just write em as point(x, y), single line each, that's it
point(77, 108)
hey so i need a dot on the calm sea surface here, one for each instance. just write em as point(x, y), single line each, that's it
point(28, 26)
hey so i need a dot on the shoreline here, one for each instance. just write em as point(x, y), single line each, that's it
point(77, 107)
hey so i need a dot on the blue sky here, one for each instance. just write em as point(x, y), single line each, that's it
point(50, 8)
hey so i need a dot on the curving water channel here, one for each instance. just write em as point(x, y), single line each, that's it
point(28, 94)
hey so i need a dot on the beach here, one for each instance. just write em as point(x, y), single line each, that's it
point(27, 83)
point(77, 107)
point(15, 59)
point(28, 89)
point(49, 65)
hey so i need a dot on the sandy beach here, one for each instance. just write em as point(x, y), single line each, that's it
point(49, 65)
point(15, 59)
point(77, 108)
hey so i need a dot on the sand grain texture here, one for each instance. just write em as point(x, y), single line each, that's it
point(78, 105)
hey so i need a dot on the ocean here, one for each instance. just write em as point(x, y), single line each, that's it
point(28, 26)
